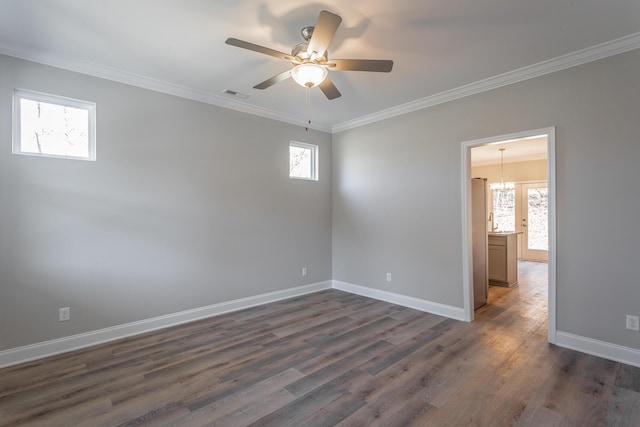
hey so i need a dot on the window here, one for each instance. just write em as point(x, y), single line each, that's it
point(504, 210)
point(53, 126)
point(303, 161)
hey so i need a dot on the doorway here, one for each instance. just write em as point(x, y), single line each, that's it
point(533, 195)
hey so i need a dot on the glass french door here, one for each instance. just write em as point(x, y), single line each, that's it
point(534, 203)
point(523, 209)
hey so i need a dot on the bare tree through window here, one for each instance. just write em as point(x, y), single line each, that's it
point(302, 160)
point(54, 129)
point(538, 208)
point(504, 210)
point(53, 126)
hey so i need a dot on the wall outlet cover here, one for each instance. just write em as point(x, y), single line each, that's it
point(64, 314)
point(633, 323)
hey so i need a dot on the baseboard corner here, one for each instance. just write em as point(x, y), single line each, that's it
point(439, 309)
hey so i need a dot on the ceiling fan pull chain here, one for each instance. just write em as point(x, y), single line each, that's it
point(308, 103)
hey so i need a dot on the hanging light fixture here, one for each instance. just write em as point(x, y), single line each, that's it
point(309, 74)
point(502, 186)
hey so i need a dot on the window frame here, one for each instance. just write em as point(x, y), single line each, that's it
point(314, 159)
point(90, 107)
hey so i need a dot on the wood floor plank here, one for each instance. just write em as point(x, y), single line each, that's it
point(628, 377)
point(504, 392)
point(34, 375)
point(60, 398)
point(334, 412)
point(336, 369)
point(309, 404)
point(46, 417)
point(300, 325)
point(333, 358)
point(397, 353)
point(330, 328)
point(248, 377)
point(624, 410)
point(388, 413)
point(253, 411)
point(245, 401)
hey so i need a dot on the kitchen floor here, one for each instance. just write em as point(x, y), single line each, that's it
point(532, 286)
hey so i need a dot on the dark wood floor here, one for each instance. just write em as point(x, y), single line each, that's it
point(332, 358)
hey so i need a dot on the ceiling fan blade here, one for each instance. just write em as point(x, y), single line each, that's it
point(376, 65)
point(273, 80)
point(329, 89)
point(326, 26)
point(257, 48)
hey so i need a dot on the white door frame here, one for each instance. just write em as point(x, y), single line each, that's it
point(467, 263)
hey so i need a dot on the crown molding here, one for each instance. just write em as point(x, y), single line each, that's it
point(604, 50)
point(137, 80)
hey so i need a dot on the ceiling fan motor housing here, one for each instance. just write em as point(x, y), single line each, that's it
point(307, 32)
point(299, 52)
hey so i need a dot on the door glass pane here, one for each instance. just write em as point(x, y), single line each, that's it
point(504, 210)
point(537, 207)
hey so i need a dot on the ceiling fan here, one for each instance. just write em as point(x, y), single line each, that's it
point(311, 60)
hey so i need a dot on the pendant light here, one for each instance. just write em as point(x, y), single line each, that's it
point(502, 186)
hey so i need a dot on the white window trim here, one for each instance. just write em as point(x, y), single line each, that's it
point(19, 94)
point(314, 159)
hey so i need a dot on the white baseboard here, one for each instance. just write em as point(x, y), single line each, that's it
point(44, 349)
point(403, 300)
point(28, 353)
point(617, 353)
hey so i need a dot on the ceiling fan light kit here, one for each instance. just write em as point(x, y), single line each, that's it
point(310, 60)
point(309, 74)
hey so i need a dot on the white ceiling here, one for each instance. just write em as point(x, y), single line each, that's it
point(441, 49)
point(518, 150)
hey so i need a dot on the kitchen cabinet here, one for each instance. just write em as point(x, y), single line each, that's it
point(503, 259)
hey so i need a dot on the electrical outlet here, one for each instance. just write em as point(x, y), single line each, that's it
point(388, 277)
point(304, 271)
point(64, 314)
point(633, 323)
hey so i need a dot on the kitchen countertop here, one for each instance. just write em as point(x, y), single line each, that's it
point(503, 233)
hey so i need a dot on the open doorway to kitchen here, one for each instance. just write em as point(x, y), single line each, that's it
point(519, 214)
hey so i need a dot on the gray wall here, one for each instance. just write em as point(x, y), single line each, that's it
point(190, 205)
point(397, 193)
point(187, 205)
